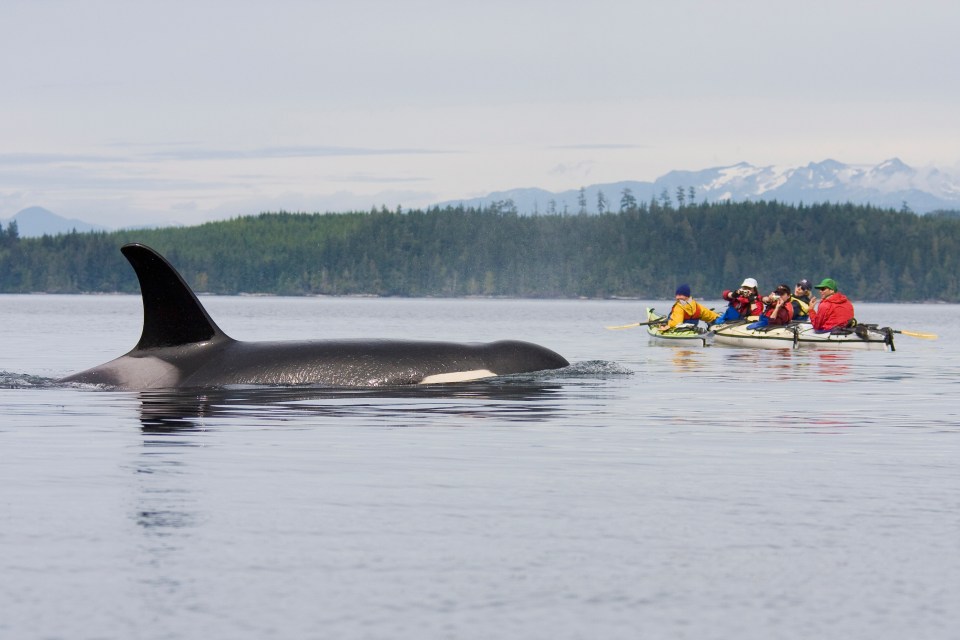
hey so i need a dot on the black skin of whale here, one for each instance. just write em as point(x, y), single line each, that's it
point(182, 347)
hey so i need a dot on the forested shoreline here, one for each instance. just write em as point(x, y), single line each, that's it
point(644, 251)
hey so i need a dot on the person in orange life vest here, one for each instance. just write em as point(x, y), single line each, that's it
point(778, 311)
point(834, 310)
point(687, 311)
point(744, 302)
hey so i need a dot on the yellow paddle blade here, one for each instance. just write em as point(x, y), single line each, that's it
point(918, 334)
point(625, 326)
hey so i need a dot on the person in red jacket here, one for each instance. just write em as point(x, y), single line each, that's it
point(743, 302)
point(778, 311)
point(834, 310)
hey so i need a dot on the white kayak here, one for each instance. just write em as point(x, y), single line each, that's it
point(684, 335)
point(797, 335)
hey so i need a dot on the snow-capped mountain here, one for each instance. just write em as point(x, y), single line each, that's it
point(890, 184)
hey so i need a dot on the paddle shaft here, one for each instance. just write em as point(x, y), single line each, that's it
point(639, 324)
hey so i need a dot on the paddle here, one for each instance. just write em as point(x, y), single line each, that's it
point(639, 324)
point(916, 334)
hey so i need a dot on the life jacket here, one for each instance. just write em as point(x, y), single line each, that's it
point(691, 310)
point(803, 305)
point(750, 305)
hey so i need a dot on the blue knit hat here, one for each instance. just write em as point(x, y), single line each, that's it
point(683, 290)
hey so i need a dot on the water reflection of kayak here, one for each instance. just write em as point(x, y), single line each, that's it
point(802, 335)
point(685, 335)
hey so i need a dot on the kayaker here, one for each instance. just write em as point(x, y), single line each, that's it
point(743, 302)
point(686, 310)
point(778, 309)
point(834, 309)
point(801, 300)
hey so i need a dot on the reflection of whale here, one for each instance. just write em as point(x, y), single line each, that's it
point(176, 410)
point(181, 346)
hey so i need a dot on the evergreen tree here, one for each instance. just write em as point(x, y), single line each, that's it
point(665, 201)
point(875, 254)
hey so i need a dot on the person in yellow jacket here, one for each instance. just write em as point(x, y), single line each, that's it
point(687, 311)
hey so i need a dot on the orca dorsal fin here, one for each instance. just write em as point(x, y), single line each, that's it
point(172, 314)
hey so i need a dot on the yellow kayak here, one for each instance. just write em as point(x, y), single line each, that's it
point(685, 335)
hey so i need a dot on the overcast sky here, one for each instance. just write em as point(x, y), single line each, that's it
point(124, 112)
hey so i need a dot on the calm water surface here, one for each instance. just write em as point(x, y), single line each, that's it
point(646, 492)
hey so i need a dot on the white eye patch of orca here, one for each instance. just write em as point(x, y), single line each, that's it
point(458, 376)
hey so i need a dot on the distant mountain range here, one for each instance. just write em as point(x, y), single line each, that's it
point(34, 222)
point(890, 184)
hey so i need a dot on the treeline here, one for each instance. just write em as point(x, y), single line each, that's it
point(643, 251)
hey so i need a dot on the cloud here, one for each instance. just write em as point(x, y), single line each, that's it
point(267, 153)
point(80, 178)
point(56, 158)
point(374, 179)
point(599, 146)
point(191, 154)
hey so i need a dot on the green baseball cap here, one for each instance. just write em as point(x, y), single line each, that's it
point(827, 283)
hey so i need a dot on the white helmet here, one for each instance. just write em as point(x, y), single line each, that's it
point(749, 282)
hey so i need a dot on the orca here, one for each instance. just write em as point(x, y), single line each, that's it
point(182, 347)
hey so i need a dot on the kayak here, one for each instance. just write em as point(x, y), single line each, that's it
point(797, 335)
point(685, 335)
